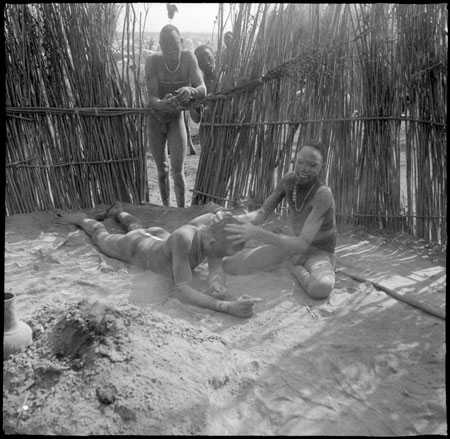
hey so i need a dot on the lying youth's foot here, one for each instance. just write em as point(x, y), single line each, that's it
point(110, 212)
point(69, 218)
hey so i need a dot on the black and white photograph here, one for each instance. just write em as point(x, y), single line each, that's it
point(225, 219)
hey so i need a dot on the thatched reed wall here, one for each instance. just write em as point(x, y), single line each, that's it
point(75, 120)
point(63, 148)
point(370, 81)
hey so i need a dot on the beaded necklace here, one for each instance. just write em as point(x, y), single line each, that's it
point(294, 196)
point(172, 71)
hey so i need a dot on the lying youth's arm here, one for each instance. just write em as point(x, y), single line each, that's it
point(216, 278)
point(180, 247)
point(182, 274)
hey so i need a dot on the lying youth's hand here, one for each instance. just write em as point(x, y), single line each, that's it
point(240, 233)
point(220, 215)
point(243, 306)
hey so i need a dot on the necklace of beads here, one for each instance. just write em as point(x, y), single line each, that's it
point(294, 198)
point(172, 71)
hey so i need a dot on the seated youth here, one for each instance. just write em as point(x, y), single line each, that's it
point(173, 254)
point(312, 221)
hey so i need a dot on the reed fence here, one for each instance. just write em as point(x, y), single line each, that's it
point(369, 80)
point(60, 78)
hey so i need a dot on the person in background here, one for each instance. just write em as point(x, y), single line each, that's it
point(310, 247)
point(205, 58)
point(226, 54)
point(173, 78)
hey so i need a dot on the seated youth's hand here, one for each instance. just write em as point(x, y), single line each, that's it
point(243, 306)
point(241, 233)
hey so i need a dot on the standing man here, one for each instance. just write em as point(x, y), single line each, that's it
point(173, 79)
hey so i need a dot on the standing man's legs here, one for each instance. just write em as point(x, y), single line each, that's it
point(177, 140)
point(157, 141)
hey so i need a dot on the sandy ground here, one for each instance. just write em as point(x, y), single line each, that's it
point(115, 353)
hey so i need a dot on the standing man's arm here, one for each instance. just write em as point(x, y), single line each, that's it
point(168, 102)
point(198, 89)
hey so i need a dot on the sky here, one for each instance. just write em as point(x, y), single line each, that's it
point(191, 17)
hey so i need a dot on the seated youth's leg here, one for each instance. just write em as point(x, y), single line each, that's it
point(257, 259)
point(317, 276)
point(157, 142)
point(177, 140)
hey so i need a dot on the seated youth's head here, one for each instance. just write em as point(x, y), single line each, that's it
point(311, 159)
point(216, 242)
point(170, 42)
point(205, 58)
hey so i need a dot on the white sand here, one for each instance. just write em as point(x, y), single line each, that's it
point(358, 363)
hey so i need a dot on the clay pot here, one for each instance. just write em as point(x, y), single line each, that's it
point(17, 334)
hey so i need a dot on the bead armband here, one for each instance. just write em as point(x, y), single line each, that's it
point(222, 307)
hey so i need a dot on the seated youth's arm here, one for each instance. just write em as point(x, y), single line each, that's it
point(273, 200)
point(297, 245)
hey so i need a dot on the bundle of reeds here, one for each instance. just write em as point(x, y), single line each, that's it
point(60, 56)
point(356, 77)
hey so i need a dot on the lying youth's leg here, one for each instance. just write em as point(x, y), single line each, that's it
point(250, 260)
point(116, 212)
point(115, 246)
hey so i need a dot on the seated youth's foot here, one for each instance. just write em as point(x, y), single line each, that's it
point(110, 212)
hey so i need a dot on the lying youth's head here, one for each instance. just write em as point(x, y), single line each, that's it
point(215, 239)
point(170, 42)
point(205, 58)
point(311, 159)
